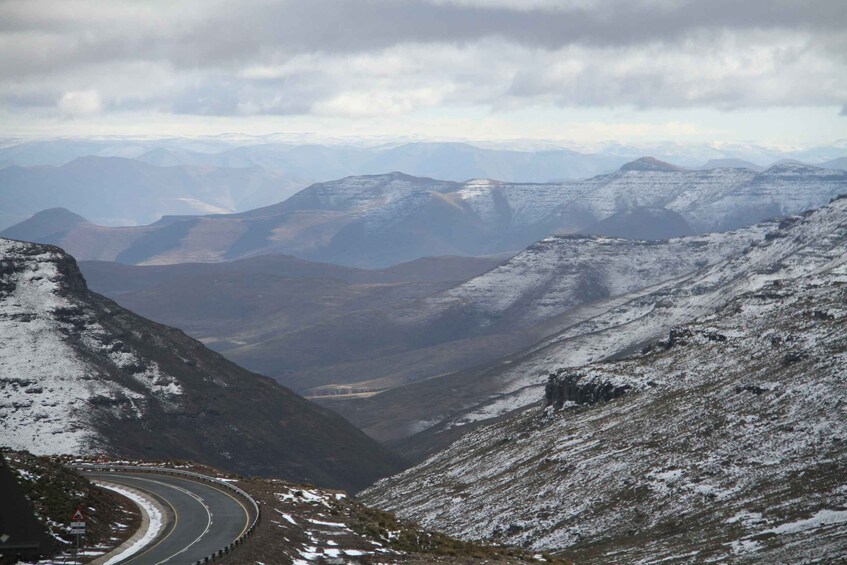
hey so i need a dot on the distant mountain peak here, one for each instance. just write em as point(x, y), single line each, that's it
point(649, 164)
point(58, 212)
point(790, 166)
point(731, 164)
point(45, 226)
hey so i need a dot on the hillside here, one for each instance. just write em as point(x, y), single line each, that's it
point(79, 374)
point(380, 220)
point(722, 441)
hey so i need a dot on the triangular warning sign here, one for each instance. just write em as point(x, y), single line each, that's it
point(77, 517)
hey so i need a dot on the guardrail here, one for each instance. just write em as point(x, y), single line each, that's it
point(180, 473)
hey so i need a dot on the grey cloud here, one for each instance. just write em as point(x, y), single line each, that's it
point(843, 111)
point(495, 56)
point(30, 98)
point(288, 95)
point(239, 31)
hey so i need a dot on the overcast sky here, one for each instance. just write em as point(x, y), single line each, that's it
point(771, 71)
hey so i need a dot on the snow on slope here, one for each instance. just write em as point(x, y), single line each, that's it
point(721, 198)
point(708, 198)
point(729, 446)
point(46, 383)
point(362, 193)
point(793, 244)
point(561, 272)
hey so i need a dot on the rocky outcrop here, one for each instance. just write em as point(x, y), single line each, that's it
point(576, 387)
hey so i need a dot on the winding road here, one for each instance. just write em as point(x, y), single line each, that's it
point(203, 517)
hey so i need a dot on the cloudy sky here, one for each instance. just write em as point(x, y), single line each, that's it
point(771, 71)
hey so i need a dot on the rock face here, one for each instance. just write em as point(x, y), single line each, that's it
point(728, 446)
point(379, 220)
point(565, 387)
point(79, 374)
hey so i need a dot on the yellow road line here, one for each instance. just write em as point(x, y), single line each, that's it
point(173, 526)
point(176, 514)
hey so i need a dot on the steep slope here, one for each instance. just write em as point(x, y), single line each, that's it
point(119, 191)
point(725, 441)
point(379, 220)
point(79, 374)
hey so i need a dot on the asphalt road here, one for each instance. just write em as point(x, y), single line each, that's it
point(205, 518)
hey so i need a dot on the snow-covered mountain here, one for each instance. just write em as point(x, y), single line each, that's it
point(723, 440)
point(559, 273)
point(385, 219)
point(79, 374)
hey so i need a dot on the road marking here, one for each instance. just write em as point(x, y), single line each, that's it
point(173, 526)
point(176, 514)
point(238, 502)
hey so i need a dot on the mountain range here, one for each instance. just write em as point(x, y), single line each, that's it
point(375, 221)
point(360, 341)
point(311, 156)
point(80, 374)
point(720, 439)
point(117, 191)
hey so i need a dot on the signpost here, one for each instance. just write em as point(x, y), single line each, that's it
point(77, 529)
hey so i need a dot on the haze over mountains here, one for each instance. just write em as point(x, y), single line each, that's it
point(234, 174)
point(117, 191)
point(375, 221)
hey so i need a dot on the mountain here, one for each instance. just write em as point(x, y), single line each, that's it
point(741, 164)
point(47, 226)
point(324, 161)
point(650, 164)
point(310, 156)
point(379, 220)
point(79, 374)
point(839, 163)
point(463, 161)
point(721, 441)
point(558, 289)
point(120, 191)
point(642, 222)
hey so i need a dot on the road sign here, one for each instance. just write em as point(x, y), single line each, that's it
point(78, 517)
point(78, 528)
